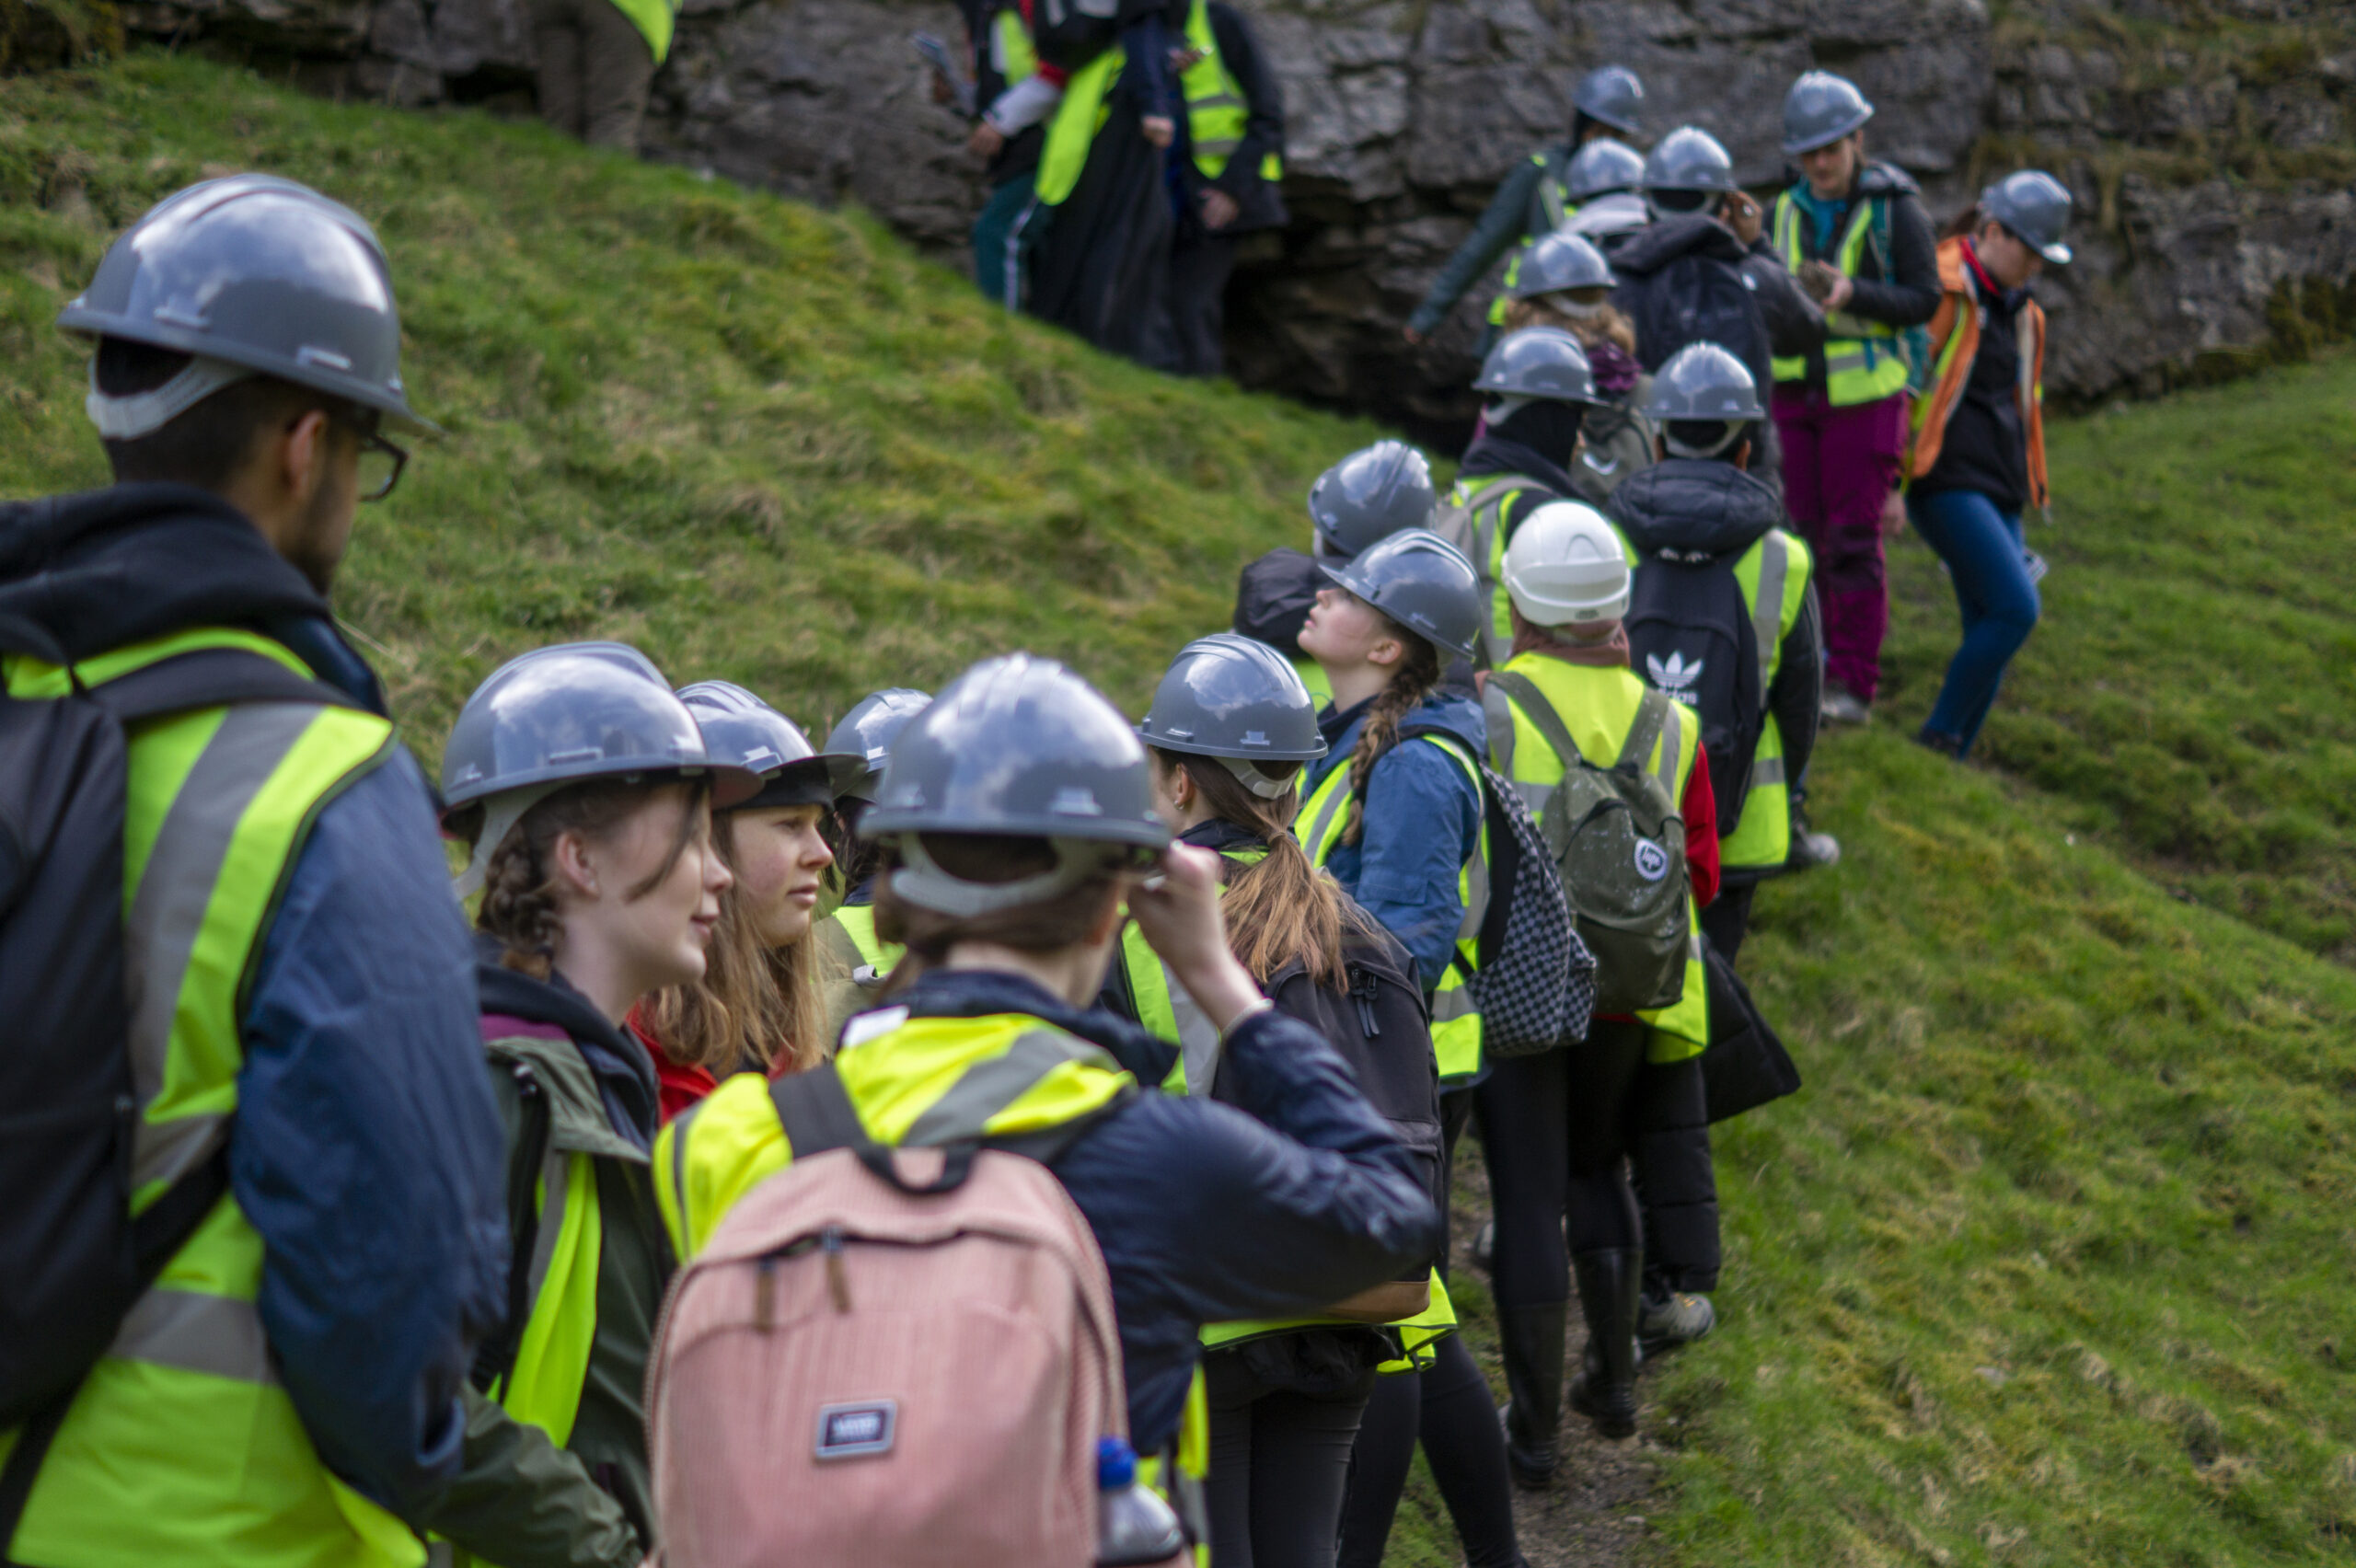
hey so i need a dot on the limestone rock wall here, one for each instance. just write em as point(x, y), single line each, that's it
point(2209, 142)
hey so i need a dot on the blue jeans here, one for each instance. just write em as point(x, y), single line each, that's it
point(1990, 567)
point(1004, 235)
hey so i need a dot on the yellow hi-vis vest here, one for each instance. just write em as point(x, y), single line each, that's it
point(1012, 55)
point(1773, 575)
point(1598, 704)
point(1486, 497)
point(181, 1445)
point(654, 20)
point(1215, 114)
point(1168, 1013)
point(914, 1082)
point(1456, 1020)
point(1312, 675)
point(1862, 364)
point(1557, 209)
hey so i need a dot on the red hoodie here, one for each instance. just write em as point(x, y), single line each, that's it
point(680, 1085)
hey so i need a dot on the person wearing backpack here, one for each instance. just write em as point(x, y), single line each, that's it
point(1396, 812)
point(600, 888)
point(1702, 271)
point(1978, 458)
point(758, 1005)
point(1231, 732)
point(1540, 388)
point(1368, 496)
point(1536, 199)
point(1562, 281)
point(1724, 619)
point(1854, 232)
point(239, 987)
point(855, 961)
point(1017, 813)
point(1620, 778)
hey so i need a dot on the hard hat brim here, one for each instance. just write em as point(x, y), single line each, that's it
point(881, 823)
point(1253, 754)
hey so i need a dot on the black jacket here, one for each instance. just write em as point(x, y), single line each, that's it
point(1703, 506)
point(1493, 453)
point(1657, 265)
point(1986, 449)
point(1260, 204)
point(1897, 285)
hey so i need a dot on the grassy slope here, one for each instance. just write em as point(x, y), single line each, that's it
point(2049, 1263)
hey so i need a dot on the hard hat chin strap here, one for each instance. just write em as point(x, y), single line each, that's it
point(1684, 449)
point(1247, 773)
point(500, 815)
point(921, 881)
point(133, 415)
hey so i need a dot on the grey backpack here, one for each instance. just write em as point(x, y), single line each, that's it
point(1619, 845)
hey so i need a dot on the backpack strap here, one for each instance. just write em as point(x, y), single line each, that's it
point(1541, 712)
point(1656, 720)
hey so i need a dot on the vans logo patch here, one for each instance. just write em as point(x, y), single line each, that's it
point(848, 1431)
point(1673, 675)
point(1652, 860)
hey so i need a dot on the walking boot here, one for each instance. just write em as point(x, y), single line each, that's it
point(1532, 1338)
point(1605, 1390)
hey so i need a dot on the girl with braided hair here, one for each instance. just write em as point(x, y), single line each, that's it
point(586, 792)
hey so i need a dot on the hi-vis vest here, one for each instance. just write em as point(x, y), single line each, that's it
point(1456, 1021)
point(1861, 362)
point(1012, 55)
point(857, 923)
point(1597, 705)
point(1168, 1013)
point(654, 20)
point(1312, 675)
point(1555, 207)
point(182, 1446)
point(1487, 499)
point(917, 1082)
point(1773, 574)
point(1215, 114)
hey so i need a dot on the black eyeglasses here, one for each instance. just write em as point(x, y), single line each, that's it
point(381, 462)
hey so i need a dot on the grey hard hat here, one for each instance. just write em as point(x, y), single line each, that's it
point(263, 273)
point(1702, 381)
point(1019, 746)
point(2034, 205)
point(1600, 168)
point(1538, 361)
point(1240, 701)
point(1369, 495)
point(1421, 581)
point(1614, 95)
point(742, 731)
point(1689, 159)
point(1820, 109)
point(1554, 262)
point(867, 732)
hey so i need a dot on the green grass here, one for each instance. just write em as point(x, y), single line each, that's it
point(2049, 1263)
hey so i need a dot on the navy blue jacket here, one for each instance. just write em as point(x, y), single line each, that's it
point(366, 1148)
point(1422, 821)
point(1294, 1197)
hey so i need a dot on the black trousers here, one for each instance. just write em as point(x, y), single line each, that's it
point(1727, 919)
point(1280, 1458)
point(1561, 1131)
point(1200, 264)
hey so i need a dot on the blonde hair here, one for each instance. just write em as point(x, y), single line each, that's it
point(1605, 324)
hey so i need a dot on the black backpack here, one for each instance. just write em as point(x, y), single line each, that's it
point(1690, 636)
point(74, 1258)
point(1700, 299)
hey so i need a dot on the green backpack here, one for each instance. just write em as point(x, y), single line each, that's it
point(1618, 843)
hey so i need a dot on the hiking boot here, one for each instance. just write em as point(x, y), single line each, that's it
point(1672, 1319)
point(1946, 745)
point(1840, 706)
point(1605, 1390)
point(1809, 848)
point(1531, 1340)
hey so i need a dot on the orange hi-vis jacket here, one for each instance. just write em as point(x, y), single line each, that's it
point(1955, 339)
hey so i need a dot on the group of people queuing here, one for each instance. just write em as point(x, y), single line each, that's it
point(614, 1224)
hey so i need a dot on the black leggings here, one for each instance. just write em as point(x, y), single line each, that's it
point(1559, 1130)
point(1450, 1409)
point(1279, 1462)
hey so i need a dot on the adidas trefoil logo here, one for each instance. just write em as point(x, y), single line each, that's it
point(1674, 676)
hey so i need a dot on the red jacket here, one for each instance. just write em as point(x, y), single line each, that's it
point(680, 1085)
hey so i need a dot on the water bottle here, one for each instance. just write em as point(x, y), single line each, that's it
point(1133, 1526)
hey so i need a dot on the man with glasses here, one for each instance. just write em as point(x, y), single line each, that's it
point(302, 1041)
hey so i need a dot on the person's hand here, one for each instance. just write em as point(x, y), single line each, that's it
point(1838, 292)
point(1177, 911)
point(1218, 209)
point(1160, 129)
point(986, 141)
point(1743, 215)
point(1893, 514)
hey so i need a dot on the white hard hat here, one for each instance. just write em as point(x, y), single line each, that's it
point(1565, 567)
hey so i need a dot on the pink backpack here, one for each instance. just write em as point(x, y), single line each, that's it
point(886, 1359)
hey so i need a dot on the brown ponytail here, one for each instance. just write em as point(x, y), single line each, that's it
point(1280, 908)
point(519, 894)
point(1418, 675)
point(755, 1006)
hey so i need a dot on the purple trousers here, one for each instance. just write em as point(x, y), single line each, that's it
point(1840, 467)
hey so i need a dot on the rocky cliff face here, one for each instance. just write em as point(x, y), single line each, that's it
point(2209, 142)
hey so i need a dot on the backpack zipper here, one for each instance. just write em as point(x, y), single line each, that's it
point(1364, 989)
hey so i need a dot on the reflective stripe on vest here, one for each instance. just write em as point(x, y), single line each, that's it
point(1774, 577)
point(1598, 706)
point(914, 1082)
point(1487, 499)
point(1861, 365)
point(181, 1446)
point(1456, 1020)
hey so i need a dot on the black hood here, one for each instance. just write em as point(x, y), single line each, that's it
point(1657, 244)
point(1694, 506)
point(107, 568)
point(625, 1073)
point(1274, 597)
point(1495, 454)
